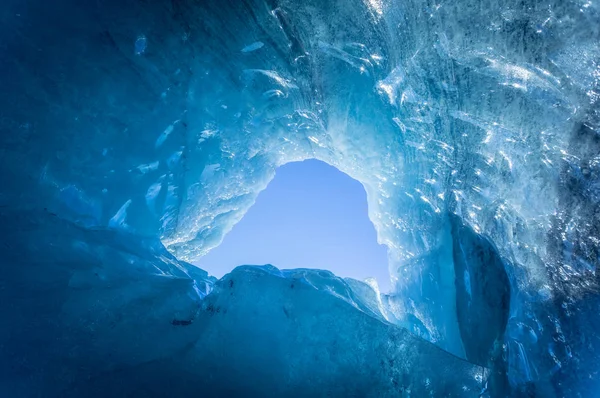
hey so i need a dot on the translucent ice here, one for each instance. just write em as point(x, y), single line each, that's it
point(122, 317)
point(474, 127)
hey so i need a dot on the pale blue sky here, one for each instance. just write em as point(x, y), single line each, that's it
point(310, 216)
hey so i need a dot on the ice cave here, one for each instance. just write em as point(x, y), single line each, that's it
point(134, 134)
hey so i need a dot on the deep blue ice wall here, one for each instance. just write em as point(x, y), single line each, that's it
point(473, 126)
point(97, 313)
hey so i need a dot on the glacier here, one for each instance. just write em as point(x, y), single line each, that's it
point(135, 134)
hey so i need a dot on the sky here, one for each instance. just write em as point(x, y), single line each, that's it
point(311, 215)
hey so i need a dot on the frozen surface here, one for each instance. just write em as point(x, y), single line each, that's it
point(124, 318)
point(474, 127)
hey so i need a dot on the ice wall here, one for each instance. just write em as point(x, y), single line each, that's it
point(97, 313)
point(473, 126)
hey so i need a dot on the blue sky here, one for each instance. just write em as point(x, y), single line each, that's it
point(310, 216)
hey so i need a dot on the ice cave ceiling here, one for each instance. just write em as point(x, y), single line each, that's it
point(473, 125)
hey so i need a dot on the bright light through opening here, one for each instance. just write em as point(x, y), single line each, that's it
point(310, 216)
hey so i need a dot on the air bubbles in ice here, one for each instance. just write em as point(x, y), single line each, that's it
point(140, 45)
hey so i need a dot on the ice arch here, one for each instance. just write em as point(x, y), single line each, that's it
point(473, 127)
point(311, 215)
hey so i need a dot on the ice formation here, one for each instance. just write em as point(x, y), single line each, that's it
point(135, 134)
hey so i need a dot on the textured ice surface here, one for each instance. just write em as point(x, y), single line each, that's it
point(474, 127)
point(119, 317)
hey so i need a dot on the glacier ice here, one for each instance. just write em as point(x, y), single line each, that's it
point(122, 317)
point(135, 134)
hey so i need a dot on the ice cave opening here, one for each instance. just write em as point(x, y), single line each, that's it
point(311, 215)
